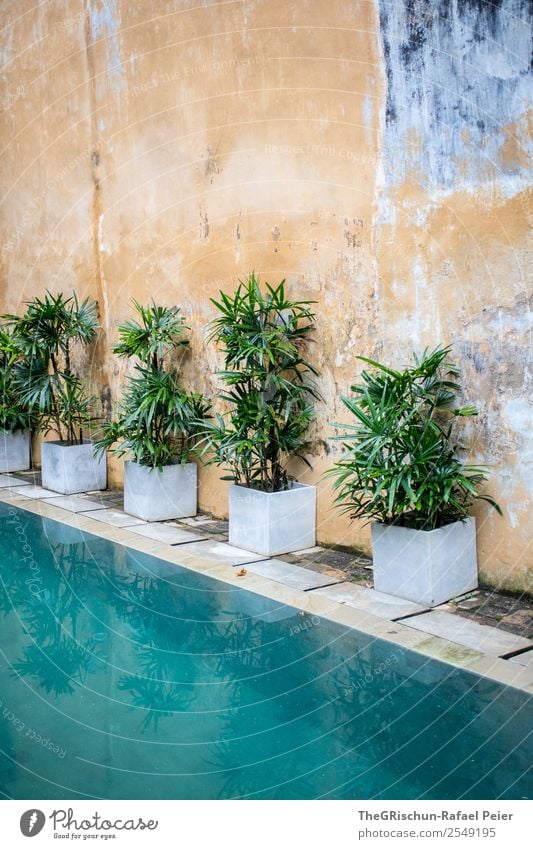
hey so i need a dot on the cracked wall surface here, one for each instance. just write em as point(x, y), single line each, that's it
point(376, 156)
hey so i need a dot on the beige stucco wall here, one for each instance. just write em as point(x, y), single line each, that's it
point(372, 153)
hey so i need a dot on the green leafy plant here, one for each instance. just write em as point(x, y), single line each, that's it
point(401, 465)
point(14, 414)
point(269, 384)
point(44, 379)
point(157, 420)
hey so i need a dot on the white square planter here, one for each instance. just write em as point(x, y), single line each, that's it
point(72, 468)
point(156, 495)
point(429, 567)
point(14, 451)
point(272, 522)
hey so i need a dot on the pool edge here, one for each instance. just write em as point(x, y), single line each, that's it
point(504, 672)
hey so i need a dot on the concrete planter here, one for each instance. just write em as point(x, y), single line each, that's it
point(72, 468)
point(429, 567)
point(156, 495)
point(14, 451)
point(272, 522)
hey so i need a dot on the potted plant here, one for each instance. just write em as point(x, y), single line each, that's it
point(45, 381)
point(157, 421)
point(15, 416)
point(269, 392)
point(401, 470)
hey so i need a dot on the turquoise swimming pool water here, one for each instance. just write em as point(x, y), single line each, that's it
point(126, 677)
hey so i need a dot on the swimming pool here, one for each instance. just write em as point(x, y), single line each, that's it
point(125, 677)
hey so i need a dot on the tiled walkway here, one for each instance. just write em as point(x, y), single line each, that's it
point(328, 574)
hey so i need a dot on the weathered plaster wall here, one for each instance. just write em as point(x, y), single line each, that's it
point(452, 228)
point(374, 153)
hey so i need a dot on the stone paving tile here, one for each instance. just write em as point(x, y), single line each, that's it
point(354, 567)
point(524, 659)
point(488, 607)
point(31, 491)
point(201, 519)
point(11, 480)
point(289, 574)
point(209, 528)
point(167, 532)
point(323, 568)
point(371, 601)
point(483, 638)
point(74, 503)
point(339, 558)
point(504, 672)
point(305, 552)
point(113, 517)
point(220, 553)
point(217, 527)
point(8, 494)
point(290, 558)
point(521, 621)
point(29, 476)
point(104, 497)
point(205, 535)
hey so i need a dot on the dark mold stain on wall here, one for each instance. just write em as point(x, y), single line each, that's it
point(458, 88)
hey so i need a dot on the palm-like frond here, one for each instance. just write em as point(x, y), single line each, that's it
point(52, 323)
point(399, 464)
point(269, 384)
point(157, 331)
point(15, 412)
point(43, 339)
point(157, 420)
